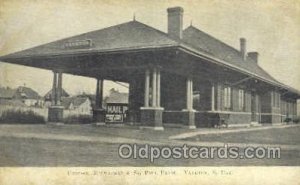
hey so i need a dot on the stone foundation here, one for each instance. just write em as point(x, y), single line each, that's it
point(99, 116)
point(151, 117)
point(206, 119)
point(188, 119)
point(270, 118)
point(55, 114)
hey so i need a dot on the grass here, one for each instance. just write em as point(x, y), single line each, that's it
point(17, 116)
point(78, 119)
point(42, 152)
point(287, 136)
point(52, 153)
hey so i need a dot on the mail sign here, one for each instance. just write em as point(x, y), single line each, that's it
point(116, 112)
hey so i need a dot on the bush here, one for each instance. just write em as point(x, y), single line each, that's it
point(17, 116)
point(78, 119)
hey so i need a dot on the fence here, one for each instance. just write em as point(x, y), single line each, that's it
point(39, 111)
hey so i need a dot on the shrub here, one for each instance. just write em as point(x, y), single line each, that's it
point(78, 119)
point(18, 116)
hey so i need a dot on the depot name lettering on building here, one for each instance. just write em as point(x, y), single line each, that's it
point(78, 44)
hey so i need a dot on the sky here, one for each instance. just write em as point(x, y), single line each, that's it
point(271, 28)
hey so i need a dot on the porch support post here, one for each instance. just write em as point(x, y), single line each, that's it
point(147, 84)
point(53, 94)
point(158, 88)
point(98, 111)
point(154, 88)
point(189, 94)
point(55, 111)
point(188, 117)
point(212, 97)
point(59, 89)
point(151, 116)
point(99, 93)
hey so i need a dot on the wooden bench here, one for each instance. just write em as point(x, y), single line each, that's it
point(219, 120)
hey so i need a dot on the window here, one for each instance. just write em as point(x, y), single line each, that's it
point(196, 99)
point(227, 97)
point(241, 99)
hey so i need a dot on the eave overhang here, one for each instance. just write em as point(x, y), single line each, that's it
point(180, 46)
point(217, 61)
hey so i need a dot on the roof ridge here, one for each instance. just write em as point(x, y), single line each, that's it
point(93, 32)
point(231, 47)
point(68, 37)
point(157, 30)
point(248, 61)
point(212, 37)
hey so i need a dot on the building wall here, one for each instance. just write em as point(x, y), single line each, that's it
point(203, 90)
point(236, 114)
point(207, 119)
point(33, 102)
point(136, 98)
point(173, 92)
point(85, 108)
point(288, 108)
point(269, 113)
point(258, 103)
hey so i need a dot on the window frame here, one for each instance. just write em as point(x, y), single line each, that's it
point(241, 99)
point(227, 97)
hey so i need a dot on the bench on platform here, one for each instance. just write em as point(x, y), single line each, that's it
point(218, 120)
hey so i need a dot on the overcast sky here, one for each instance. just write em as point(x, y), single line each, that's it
point(271, 27)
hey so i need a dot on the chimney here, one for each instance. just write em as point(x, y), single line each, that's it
point(253, 56)
point(175, 16)
point(243, 48)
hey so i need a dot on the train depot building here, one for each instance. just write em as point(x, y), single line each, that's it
point(184, 77)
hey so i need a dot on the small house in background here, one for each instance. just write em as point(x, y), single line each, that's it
point(7, 93)
point(28, 96)
point(48, 95)
point(7, 97)
point(116, 97)
point(91, 97)
point(78, 105)
point(116, 105)
point(20, 97)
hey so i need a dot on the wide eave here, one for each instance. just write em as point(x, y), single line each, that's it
point(136, 37)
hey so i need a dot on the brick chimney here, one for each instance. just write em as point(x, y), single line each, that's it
point(175, 22)
point(253, 56)
point(243, 48)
